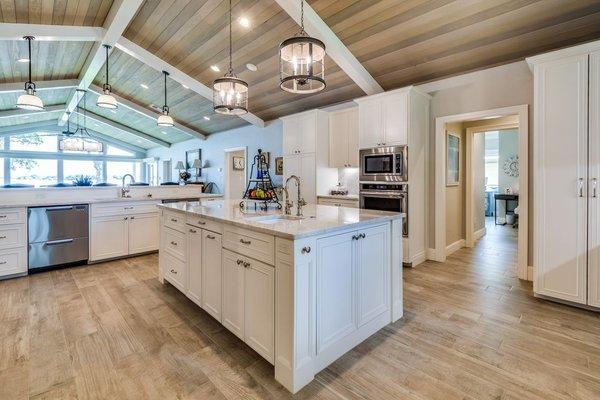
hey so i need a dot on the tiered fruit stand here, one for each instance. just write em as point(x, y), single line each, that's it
point(260, 191)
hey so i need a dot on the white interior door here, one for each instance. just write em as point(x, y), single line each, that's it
point(561, 190)
point(594, 188)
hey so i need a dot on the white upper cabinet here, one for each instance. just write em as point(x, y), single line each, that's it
point(594, 182)
point(343, 138)
point(383, 120)
point(299, 134)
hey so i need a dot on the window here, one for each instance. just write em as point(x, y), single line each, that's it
point(33, 142)
point(34, 172)
point(1, 170)
point(115, 151)
point(116, 169)
point(73, 169)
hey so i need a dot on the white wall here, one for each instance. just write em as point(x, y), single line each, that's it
point(478, 165)
point(508, 147)
point(269, 139)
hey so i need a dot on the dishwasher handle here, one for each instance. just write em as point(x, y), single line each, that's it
point(59, 208)
point(56, 242)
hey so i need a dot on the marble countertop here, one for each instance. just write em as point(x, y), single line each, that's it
point(67, 201)
point(339, 196)
point(318, 219)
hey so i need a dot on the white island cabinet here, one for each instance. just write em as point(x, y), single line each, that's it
point(301, 293)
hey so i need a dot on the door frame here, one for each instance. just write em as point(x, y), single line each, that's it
point(440, 179)
point(228, 166)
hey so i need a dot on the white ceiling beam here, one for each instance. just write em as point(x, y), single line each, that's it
point(315, 26)
point(143, 55)
point(49, 126)
point(123, 128)
point(139, 151)
point(140, 109)
point(18, 112)
point(63, 33)
point(120, 15)
point(18, 87)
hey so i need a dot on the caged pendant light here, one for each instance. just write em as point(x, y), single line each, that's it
point(302, 62)
point(29, 100)
point(106, 99)
point(230, 93)
point(165, 119)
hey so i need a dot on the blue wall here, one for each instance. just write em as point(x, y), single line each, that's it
point(269, 138)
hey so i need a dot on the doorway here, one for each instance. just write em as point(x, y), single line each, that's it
point(235, 172)
point(473, 190)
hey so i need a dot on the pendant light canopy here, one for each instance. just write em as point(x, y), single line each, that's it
point(106, 99)
point(230, 93)
point(165, 119)
point(302, 62)
point(29, 100)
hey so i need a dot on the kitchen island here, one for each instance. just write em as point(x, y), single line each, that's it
point(300, 291)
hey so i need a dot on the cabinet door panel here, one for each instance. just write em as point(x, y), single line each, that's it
point(291, 166)
point(108, 238)
point(194, 261)
point(308, 133)
point(233, 293)
point(259, 322)
point(395, 119)
point(338, 140)
point(291, 136)
point(308, 176)
point(353, 138)
point(336, 298)
point(143, 233)
point(373, 267)
point(211, 273)
point(370, 124)
point(560, 192)
point(594, 176)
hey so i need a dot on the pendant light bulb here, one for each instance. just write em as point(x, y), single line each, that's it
point(230, 93)
point(29, 100)
point(106, 99)
point(165, 119)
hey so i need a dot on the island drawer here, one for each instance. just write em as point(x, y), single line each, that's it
point(13, 261)
point(174, 271)
point(13, 216)
point(175, 243)
point(204, 223)
point(13, 236)
point(257, 245)
point(174, 220)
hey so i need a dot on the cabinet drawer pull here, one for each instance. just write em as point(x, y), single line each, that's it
point(3, 216)
point(201, 223)
point(193, 231)
point(210, 237)
point(3, 262)
point(173, 243)
point(126, 218)
point(355, 237)
point(173, 220)
point(362, 236)
point(305, 250)
point(239, 262)
point(242, 241)
point(132, 217)
point(2, 237)
point(173, 271)
point(246, 264)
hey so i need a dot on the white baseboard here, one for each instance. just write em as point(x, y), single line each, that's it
point(431, 254)
point(459, 244)
point(419, 258)
point(479, 234)
point(530, 273)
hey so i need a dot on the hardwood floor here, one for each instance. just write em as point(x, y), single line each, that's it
point(471, 330)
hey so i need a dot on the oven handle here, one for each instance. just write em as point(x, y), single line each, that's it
point(383, 195)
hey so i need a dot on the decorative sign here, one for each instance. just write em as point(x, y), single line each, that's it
point(511, 166)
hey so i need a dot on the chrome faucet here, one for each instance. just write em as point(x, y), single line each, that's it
point(125, 190)
point(289, 204)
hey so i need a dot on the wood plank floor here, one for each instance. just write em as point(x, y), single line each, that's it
point(471, 330)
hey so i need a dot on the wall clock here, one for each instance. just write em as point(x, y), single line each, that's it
point(511, 166)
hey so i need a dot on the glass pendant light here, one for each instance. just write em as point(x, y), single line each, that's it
point(165, 119)
point(230, 93)
point(29, 100)
point(302, 62)
point(106, 99)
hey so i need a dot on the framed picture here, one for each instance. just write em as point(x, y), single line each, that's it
point(238, 163)
point(452, 159)
point(192, 155)
point(278, 165)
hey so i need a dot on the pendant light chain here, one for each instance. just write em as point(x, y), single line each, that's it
point(230, 42)
point(165, 74)
point(106, 47)
point(302, 31)
point(29, 45)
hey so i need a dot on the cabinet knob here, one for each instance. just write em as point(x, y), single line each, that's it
point(239, 262)
point(126, 218)
point(173, 271)
point(210, 237)
point(193, 231)
point(173, 220)
point(305, 250)
point(242, 241)
point(201, 223)
point(132, 217)
point(2, 237)
point(2, 262)
point(246, 264)
point(173, 243)
point(2, 216)
point(362, 236)
point(355, 237)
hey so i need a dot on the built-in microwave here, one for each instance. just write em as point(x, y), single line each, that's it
point(384, 164)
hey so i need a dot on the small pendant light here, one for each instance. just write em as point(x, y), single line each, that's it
point(29, 100)
point(230, 93)
point(165, 119)
point(106, 99)
point(302, 62)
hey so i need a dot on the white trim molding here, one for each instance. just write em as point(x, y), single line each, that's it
point(63, 33)
point(39, 85)
point(479, 233)
point(454, 247)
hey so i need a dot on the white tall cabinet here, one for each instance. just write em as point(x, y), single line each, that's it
point(567, 170)
point(306, 154)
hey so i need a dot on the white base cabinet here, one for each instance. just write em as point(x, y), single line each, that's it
point(13, 242)
point(212, 273)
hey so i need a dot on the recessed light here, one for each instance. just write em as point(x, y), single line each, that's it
point(206, 118)
point(251, 67)
point(23, 60)
point(245, 22)
point(185, 87)
point(215, 68)
point(144, 85)
point(163, 132)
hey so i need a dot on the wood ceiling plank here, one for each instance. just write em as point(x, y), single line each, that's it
point(35, 11)
point(103, 10)
point(47, 11)
point(70, 11)
point(161, 17)
point(9, 13)
point(81, 12)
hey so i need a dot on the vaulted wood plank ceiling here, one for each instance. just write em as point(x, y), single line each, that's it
point(399, 42)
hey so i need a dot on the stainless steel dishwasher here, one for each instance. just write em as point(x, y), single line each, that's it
point(58, 236)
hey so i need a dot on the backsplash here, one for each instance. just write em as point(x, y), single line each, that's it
point(348, 177)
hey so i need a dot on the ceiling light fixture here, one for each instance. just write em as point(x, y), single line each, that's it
point(29, 100)
point(215, 68)
point(106, 99)
point(23, 60)
point(185, 87)
point(252, 67)
point(230, 93)
point(144, 85)
point(302, 62)
point(165, 119)
point(245, 22)
point(80, 139)
point(206, 118)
